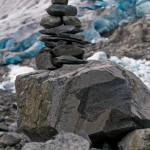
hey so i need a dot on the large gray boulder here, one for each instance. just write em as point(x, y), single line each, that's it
point(100, 98)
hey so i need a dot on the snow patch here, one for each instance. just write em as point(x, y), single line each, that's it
point(9, 79)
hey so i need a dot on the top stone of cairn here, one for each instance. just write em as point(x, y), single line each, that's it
point(62, 2)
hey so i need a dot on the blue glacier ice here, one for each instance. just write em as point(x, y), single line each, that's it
point(122, 11)
point(113, 13)
point(17, 57)
point(12, 52)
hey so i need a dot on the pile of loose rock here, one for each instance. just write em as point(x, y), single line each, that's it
point(63, 44)
point(10, 138)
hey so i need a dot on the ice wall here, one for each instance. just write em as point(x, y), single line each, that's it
point(112, 13)
point(20, 23)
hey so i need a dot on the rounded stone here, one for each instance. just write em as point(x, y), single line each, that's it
point(67, 50)
point(49, 21)
point(71, 20)
point(62, 10)
point(62, 2)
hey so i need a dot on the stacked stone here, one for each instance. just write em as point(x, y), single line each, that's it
point(62, 43)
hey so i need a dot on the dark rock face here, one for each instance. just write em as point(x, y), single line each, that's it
point(40, 134)
point(62, 10)
point(50, 21)
point(100, 98)
point(107, 98)
point(63, 2)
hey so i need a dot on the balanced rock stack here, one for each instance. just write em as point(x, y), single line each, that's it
point(62, 43)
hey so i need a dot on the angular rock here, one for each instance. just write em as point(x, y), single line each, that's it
point(67, 50)
point(61, 29)
point(136, 140)
point(63, 141)
point(71, 20)
point(55, 39)
point(59, 61)
point(62, 2)
point(44, 60)
point(62, 10)
point(10, 139)
point(101, 98)
point(55, 44)
point(50, 21)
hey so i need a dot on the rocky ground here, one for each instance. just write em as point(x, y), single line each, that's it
point(131, 40)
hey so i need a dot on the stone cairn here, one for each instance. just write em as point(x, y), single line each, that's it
point(63, 44)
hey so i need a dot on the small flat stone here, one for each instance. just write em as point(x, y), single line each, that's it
point(71, 36)
point(55, 44)
point(61, 29)
point(49, 21)
point(67, 50)
point(59, 61)
point(71, 20)
point(62, 10)
point(10, 139)
point(44, 60)
point(3, 127)
point(55, 39)
point(62, 2)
